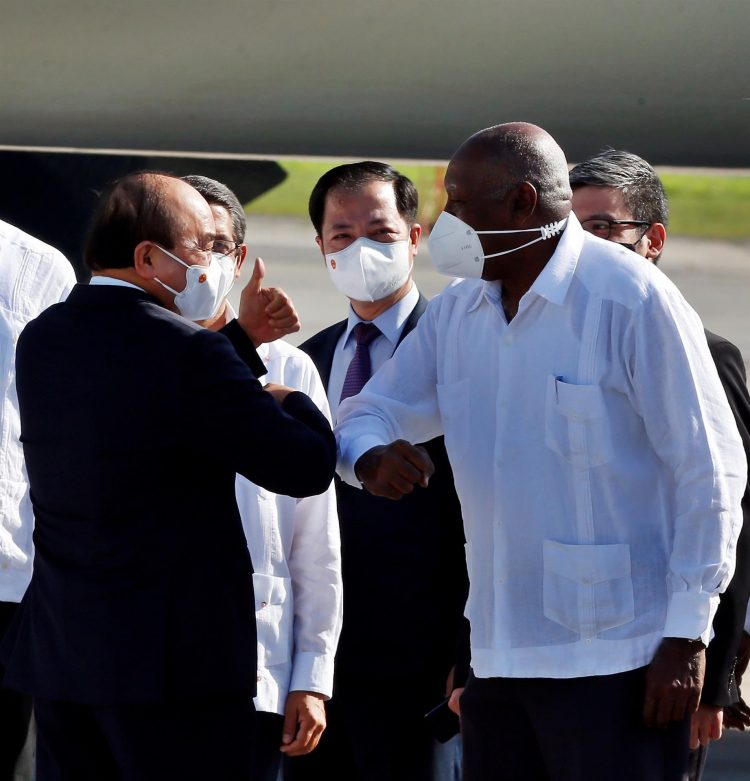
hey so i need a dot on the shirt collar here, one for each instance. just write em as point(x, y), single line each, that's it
point(102, 279)
point(391, 322)
point(555, 278)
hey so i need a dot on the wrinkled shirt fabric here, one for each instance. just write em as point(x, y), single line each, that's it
point(598, 464)
point(33, 276)
point(295, 547)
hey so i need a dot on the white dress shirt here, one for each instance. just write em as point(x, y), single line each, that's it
point(598, 465)
point(33, 276)
point(390, 323)
point(296, 551)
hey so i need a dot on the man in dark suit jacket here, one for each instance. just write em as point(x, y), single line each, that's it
point(720, 686)
point(618, 196)
point(403, 565)
point(137, 634)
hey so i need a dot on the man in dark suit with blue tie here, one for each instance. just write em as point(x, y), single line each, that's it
point(137, 634)
point(403, 563)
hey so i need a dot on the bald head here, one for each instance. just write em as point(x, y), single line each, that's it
point(144, 206)
point(521, 152)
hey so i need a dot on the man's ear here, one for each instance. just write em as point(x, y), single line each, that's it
point(142, 260)
point(240, 261)
point(655, 238)
point(319, 242)
point(414, 234)
point(523, 200)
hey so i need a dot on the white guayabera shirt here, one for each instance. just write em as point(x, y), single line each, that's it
point(296, 552)
point(33, 276)
point(598, 465)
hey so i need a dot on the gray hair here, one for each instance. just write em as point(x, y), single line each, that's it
point(639, 184)
point(219, 194)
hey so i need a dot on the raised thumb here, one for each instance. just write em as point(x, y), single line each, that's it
point(256, 280)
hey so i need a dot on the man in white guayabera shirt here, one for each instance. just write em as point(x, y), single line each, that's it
point(33, 276)
point(294, 545)
point(598, 465)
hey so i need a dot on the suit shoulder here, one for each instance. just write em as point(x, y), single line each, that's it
point(43, 324)
point(722, 350)
point(170, 323)
point(314, 343)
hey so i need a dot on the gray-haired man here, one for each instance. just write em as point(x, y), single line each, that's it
point(618, 196)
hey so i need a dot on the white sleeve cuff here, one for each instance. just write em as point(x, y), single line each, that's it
point(690, 615)
point(349, 456)
point(10, 554)
point(312, 672)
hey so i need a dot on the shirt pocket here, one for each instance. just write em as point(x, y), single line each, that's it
point(576, 424)
point(453, 401)
point(588, 588)
point(274, 617)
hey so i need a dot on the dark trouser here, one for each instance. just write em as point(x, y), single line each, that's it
point(697, 762)
point(190, 740)
point(578, 729)
point(374, 733)
point(15, 710)
point(267, 744)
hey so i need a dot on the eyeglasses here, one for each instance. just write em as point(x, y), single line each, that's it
point(222, 247)
point(603, 228)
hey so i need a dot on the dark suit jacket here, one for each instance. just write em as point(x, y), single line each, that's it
point(134, 423)
point(720, 687)
point(403, 566)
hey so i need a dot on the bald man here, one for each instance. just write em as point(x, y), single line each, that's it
point(136, 635)
point(600, 528)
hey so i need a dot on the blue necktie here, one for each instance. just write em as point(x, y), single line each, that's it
point(360, 368)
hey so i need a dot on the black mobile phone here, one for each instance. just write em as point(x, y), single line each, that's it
point(442, 722)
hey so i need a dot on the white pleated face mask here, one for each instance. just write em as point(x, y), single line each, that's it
point(228, 265)
point(369, 270)
point(456, 250)
point(205, 288)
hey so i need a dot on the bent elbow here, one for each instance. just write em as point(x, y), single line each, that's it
point(314, 472)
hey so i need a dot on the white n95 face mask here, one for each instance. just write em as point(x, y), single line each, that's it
point(204, 291)
point(369, 270)
point(456, 250)
point(227, 264)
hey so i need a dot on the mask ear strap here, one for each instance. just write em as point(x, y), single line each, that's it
point(548, 231)
point(166, 287)
point(174, 257)
point(515, 249)
point(520, 230)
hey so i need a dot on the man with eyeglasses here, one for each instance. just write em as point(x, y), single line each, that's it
point(136, 635)
point(618, 196)
point(294, 545)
